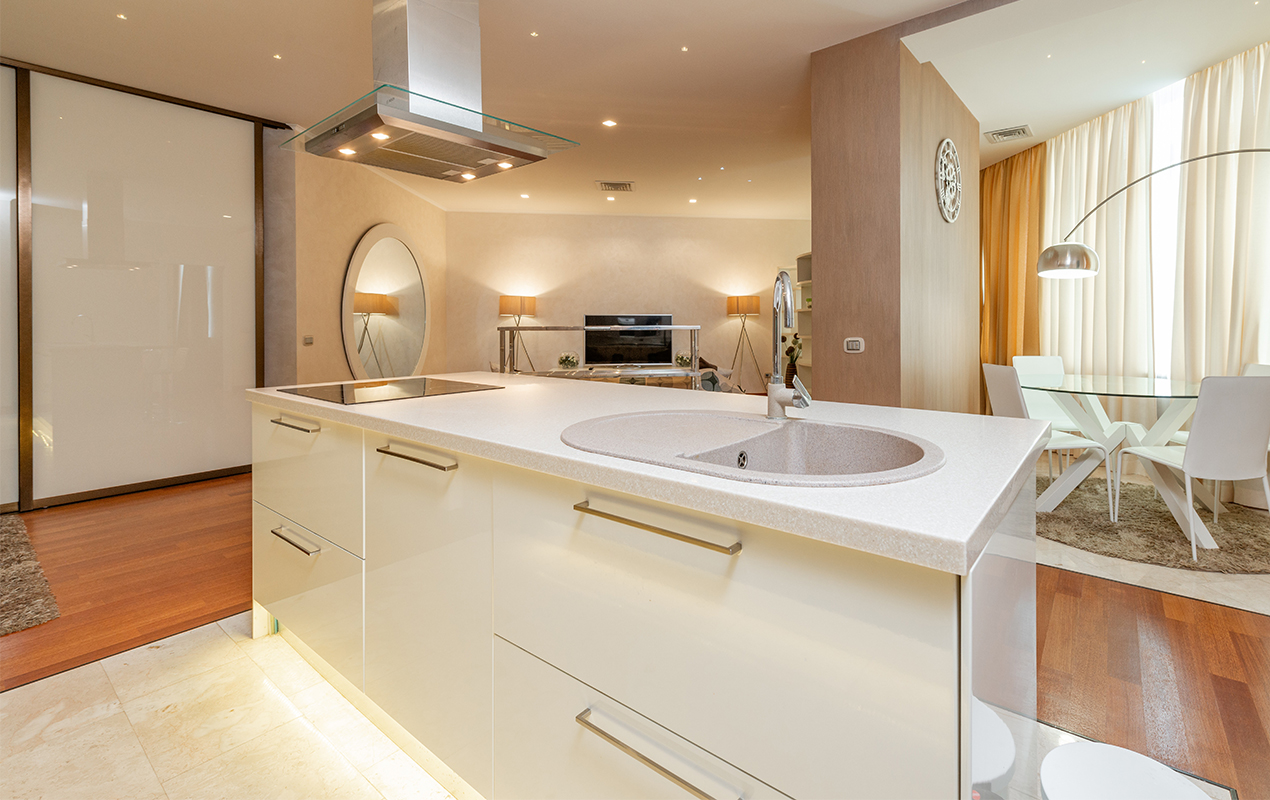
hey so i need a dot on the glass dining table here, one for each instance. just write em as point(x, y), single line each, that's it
point(1078, 395)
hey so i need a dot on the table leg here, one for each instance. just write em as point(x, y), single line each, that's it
point(1166, 481)
point(1068, 481)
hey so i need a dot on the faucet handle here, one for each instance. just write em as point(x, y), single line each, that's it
point(802, 397)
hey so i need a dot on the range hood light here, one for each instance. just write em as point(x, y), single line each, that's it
point(380, 136)
point(348, 151)
point(467, 176)
point(504, 165)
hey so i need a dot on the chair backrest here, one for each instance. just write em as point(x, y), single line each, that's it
point(1042, 405)
point(1256, 370)
point(1038, 365)
point(1004, 391)
point(1230, 430)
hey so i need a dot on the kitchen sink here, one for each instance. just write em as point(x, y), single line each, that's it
point(792, 452)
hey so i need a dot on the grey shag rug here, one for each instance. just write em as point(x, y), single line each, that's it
point(25, 597)
point(1147, 532)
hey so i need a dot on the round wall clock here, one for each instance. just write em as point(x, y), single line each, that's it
point(948, 180)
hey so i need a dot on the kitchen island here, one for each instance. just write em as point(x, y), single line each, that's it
point(439, 559)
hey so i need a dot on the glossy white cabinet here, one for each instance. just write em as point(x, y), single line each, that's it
point(428, 631)
point(543, 751)
point(818, 669)
point(312, 586)
point(310, 471)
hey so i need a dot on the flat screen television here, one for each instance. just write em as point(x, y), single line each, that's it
point(629, 348)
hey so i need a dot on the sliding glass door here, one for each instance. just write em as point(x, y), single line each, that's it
point(143, 268)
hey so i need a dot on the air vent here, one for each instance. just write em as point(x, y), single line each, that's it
point(615, 186)
point(1009, 134)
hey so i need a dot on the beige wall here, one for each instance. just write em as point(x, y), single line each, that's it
point(335, 203)
point(578, 265)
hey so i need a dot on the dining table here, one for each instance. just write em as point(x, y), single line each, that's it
point(1079, 397)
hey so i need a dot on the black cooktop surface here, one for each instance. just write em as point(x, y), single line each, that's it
point(377, 391)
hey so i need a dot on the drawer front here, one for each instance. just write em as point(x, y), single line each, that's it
point(318, 595)
point(818, 669)
point(428, 630)
point(310, 471)
point(543, 751)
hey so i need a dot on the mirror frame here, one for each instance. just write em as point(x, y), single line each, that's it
point(372, 237)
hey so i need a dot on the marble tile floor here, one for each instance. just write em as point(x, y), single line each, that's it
point(209, 713)
point(1247, 592)
point(1034, 740)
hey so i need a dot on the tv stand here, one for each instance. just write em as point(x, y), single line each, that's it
point(652, 376)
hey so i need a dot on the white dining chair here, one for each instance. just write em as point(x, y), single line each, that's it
point(1230, 434)
point(1249, 370)
point(1042, 405)
point(1006, 396)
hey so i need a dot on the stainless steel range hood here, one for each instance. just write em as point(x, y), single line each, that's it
point(424, 116)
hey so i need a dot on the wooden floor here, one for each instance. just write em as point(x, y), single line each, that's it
point(132, 569)
point(1183, 681)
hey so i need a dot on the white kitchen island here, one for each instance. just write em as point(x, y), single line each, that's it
point(827, 645)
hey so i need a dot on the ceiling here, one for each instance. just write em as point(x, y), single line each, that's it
point(726, 122)
point(1053, 64)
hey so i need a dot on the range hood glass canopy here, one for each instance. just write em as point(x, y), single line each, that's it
point(394, 128)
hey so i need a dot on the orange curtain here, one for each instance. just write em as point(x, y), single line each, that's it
point(1011, 193)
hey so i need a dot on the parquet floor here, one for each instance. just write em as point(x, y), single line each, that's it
point(132, 569)
point(1183, 681)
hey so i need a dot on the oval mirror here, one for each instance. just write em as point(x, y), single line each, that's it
point(385, 310)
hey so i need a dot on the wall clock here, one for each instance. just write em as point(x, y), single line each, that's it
point(948, 180)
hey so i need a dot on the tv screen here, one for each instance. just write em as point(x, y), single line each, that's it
point(634, 348)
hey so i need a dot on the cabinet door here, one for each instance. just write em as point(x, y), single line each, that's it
point(614, 753)
point(428, 633)
point(312, 586)
point(309, 471)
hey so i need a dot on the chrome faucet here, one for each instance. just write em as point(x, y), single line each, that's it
point(778, 396)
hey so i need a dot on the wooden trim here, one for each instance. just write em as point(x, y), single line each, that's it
point(260, 255)
point(129, 488)
point(26, 444)
point(118, 87)
point(8, 508)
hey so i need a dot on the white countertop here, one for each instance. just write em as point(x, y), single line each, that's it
point(942, 520)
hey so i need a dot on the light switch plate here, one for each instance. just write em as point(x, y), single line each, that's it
point(853, 344)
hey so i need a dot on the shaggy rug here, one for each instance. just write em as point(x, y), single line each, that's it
point(1147, 532)
point(25, 597)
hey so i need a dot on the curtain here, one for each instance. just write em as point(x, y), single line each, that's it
point(1010, 196)
point(1102, 325)
point(1222, 302)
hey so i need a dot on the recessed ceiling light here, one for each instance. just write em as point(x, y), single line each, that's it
point(72, 266)
point(533, 33)
point(121, 16)
point(1144, 61)
point(504, 165)
point(226, 216)
point(380, 136)
point(608, 123)
point(612, 198)
point(720, 167)
point(685, 49)
point(348, 151)
point(698, 179)
point(277, 56)
point(524, 197)
point(693, 200)
point(467, 176)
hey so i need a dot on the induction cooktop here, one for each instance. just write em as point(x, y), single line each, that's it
point(355, 392)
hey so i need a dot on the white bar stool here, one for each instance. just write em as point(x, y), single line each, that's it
point(992, 749)
point(1094, 771)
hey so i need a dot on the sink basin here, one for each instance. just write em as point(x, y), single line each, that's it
point(752, 448)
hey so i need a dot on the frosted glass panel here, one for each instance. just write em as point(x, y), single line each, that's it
point(144, 284)
point(8, 292)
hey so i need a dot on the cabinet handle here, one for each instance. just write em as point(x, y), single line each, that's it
point(278, 532)
point(730, 550)
point(416, 459)
point(584, 719)
point(293, 426)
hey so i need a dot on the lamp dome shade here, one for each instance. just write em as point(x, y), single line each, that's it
point(743, 305)
point(1067, 260)
point(368, 303)
point(510, 305)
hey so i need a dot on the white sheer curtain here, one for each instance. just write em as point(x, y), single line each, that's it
point(1221, 315)
point(1103, 325)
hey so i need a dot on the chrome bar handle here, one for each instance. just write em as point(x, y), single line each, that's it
point(278, 532)
point(294, 427)
point(416, 459)
point(730, 550)
point(584, 719)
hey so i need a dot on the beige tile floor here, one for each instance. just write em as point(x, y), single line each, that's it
point(1249, 592)
point(210, 713)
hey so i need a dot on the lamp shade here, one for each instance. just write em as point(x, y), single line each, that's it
point(510, 305)
point(367, 303)
point(1067, 260)
point(743, 305)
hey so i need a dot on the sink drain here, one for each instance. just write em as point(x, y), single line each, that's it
point(742, 460)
